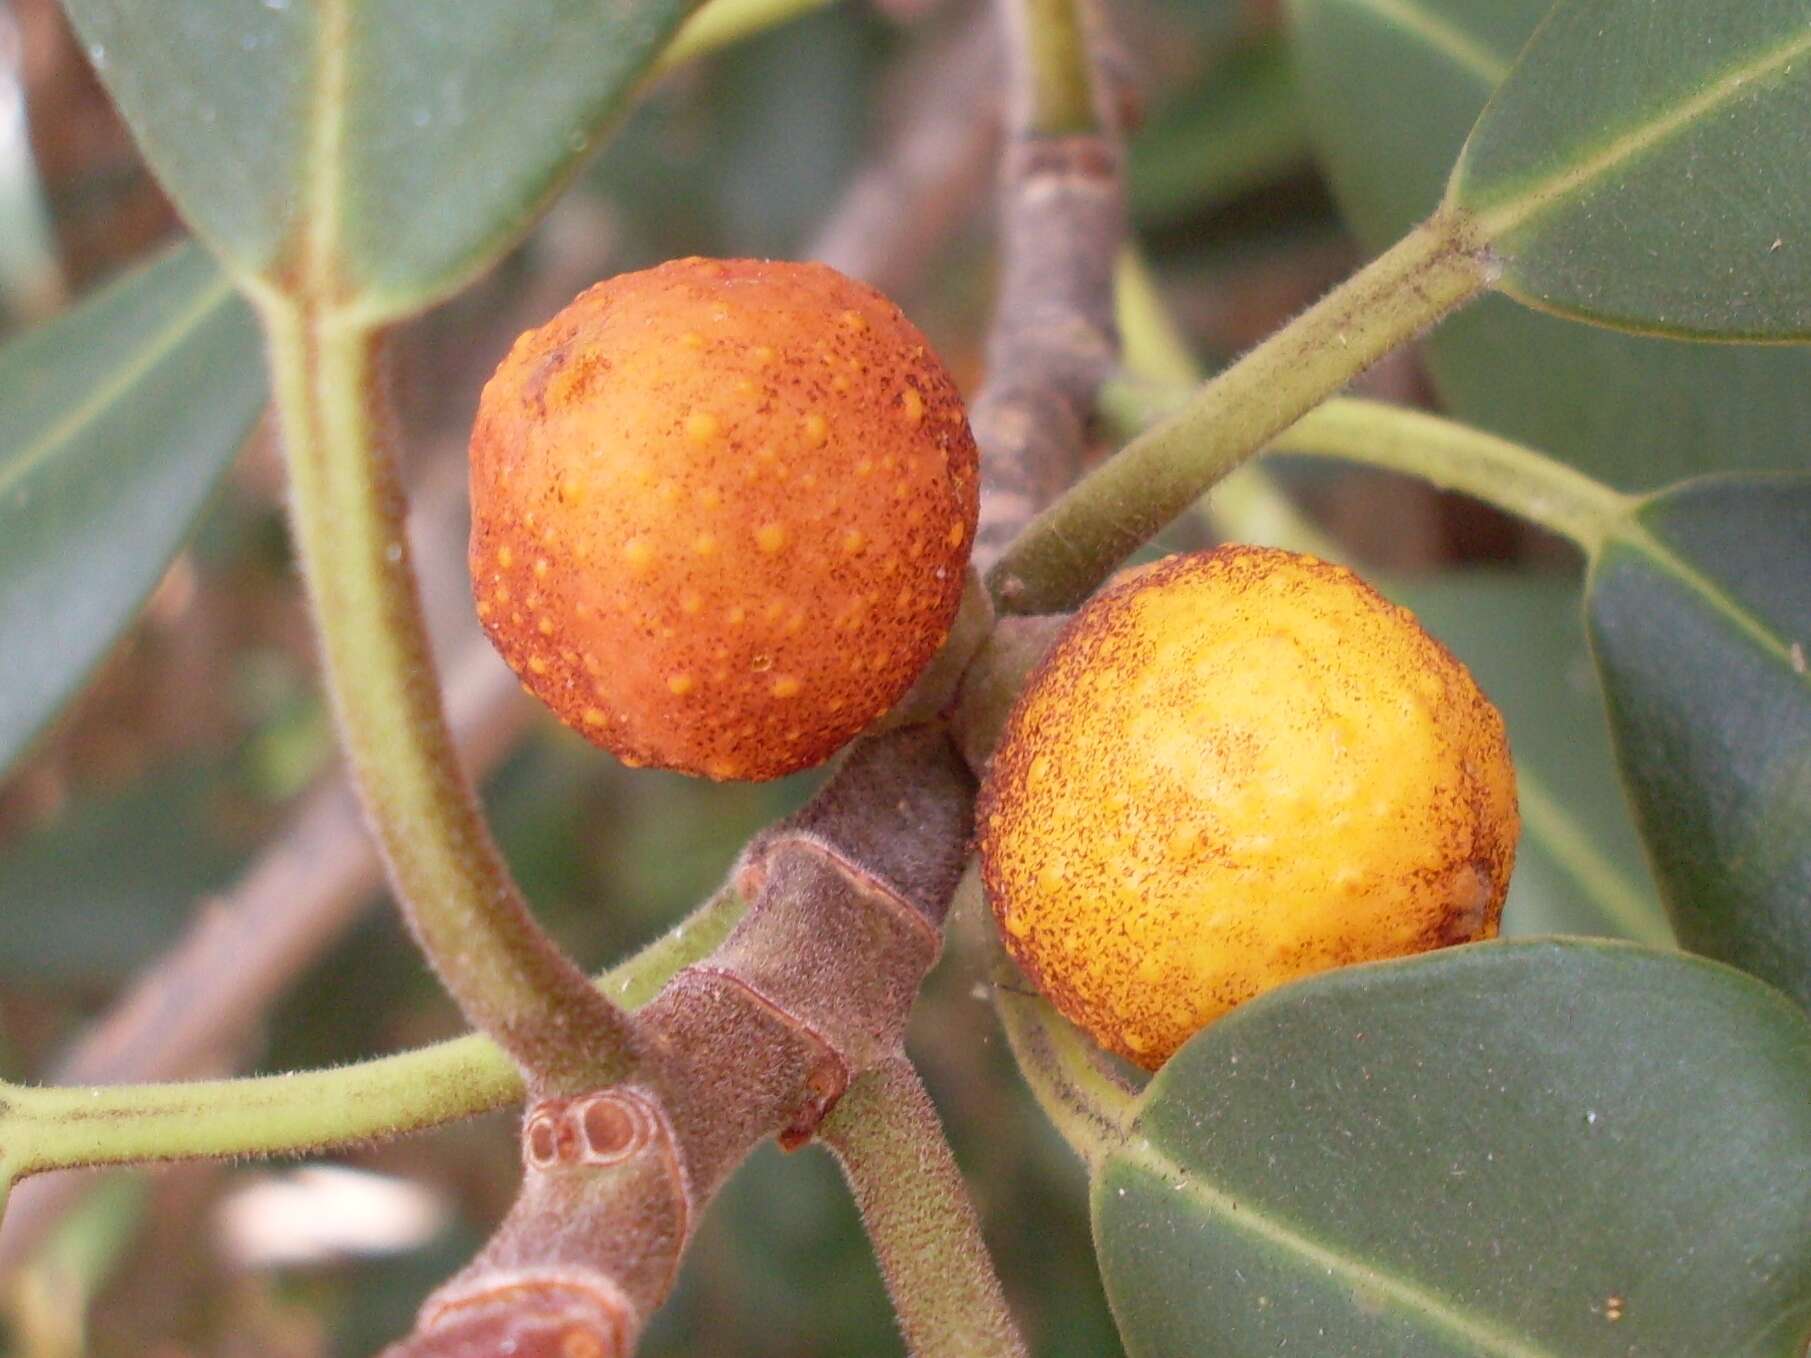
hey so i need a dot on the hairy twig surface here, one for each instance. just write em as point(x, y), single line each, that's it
point(1078, 541)
point(1062, 218)
point(813, 988)
point(322, 871)
point(762, 1038)
point(887, 1138)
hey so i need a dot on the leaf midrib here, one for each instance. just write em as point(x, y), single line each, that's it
point(325, 172)
point(1140, 1155)
point(1635, 536)
point(1440, 36)
point(1555, 191)
point(100, 398)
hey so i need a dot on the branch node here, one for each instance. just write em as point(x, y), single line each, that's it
point(828, 1073)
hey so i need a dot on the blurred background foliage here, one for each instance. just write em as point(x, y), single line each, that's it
point(204, 725)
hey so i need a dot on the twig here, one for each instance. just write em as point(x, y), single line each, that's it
point(322, 871)
point(812, 990)
point(1062, 218)
point(803, 998)
point(1076, 543)
point(916, 1210)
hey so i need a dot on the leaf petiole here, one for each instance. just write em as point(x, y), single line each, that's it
point(917, 1211)
point(1458, 457)
point(50, 1128)
point(722, 23)
point(1075, 544)
point(346, 511)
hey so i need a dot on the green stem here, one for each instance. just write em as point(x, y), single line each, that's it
point(1248, 506)
point(1088, 1107)
point(1458, 457)
point(918, 1213)
point(1068, 1076)
point(1054, 78)
point(1076, 543)
point(724, 22)
point(347, 515)
point(62, 1128)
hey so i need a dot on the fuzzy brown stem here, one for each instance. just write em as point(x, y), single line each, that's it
point(812, 988)
point(1062, 219)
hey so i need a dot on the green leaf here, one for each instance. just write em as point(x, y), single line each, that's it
point(1554, 1147)
point(385, 150)
point(116, 420)
point(1642, 164)
point(1700, 615)
point(1579, 868)
point(1393, 87)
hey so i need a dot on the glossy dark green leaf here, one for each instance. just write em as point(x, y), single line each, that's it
point(1579, 868)
point(1642, 165)
point(1700, 616)
point(398, 146)
point(1562, 1148)
point(1393, 87)
point(116, 420)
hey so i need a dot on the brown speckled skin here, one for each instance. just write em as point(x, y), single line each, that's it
point(1234, 768)
point(720, 513)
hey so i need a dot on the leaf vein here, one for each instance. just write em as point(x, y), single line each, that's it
point(26, 460)
point(1448, 40)
point(1443, 1312)
point(326, 153)
point(1554, 191)
point(1663, 557)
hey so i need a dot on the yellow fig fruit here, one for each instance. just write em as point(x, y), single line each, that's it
point(1235, 768)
